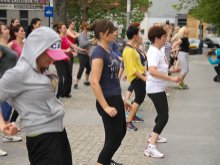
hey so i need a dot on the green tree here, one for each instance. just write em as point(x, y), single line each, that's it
point(204, 10)
point(115, 10)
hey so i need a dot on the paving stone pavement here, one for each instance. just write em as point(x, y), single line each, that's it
point(86, 133)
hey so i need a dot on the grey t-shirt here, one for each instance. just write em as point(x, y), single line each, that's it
point(7, 60)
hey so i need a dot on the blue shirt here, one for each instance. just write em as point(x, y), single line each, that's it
point(109, 81)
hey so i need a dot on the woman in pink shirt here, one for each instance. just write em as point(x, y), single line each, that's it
point(64, 68)
point(17, 35)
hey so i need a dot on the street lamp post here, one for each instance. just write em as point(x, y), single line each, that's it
point(128, 13)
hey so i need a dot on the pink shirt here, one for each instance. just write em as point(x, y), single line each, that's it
point(16, 47)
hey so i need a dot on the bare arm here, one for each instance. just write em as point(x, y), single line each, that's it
point(8, 129)
point(97, 67)
point(10, 44)
point(155, 73)
point(72, 35)
point(177, 43)
point(78, 48)
point(140, 76)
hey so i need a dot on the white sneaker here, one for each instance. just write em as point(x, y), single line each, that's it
point(167, 94)
point(3, 153)
point(160, 139)
point(11, 139)
point(151, 151)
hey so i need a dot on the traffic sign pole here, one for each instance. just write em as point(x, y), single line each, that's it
point(51, 19)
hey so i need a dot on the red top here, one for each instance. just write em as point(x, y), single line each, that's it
point(72, 40)
point(16, 47)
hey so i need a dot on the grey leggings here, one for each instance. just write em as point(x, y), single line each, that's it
point(183, 60)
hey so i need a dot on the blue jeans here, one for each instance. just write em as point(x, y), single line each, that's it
point(6, 110)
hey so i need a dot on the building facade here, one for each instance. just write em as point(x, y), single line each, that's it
point(162, 11)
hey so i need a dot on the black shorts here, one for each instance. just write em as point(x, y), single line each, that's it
point(49, 149)
point(139, 90)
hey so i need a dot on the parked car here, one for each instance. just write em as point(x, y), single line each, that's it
point(195, 47)
point(211, 43)
point(216, 40)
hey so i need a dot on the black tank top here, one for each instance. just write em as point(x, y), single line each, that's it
point(184, 47)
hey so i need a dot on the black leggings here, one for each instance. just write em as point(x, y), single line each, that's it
point(14, 116)
point(65, 78)
point(84, 62)
point(160, 103)
point(217, 69)
point(115, 128)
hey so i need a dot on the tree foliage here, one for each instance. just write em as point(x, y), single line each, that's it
point(115, 10)
point(204, 10)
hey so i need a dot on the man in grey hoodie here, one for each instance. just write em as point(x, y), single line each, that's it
point(32, 91)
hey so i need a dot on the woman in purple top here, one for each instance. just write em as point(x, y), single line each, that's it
point(106, 87)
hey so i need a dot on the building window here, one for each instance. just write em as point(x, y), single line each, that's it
point(24, 18)
point(3, 16)
point(182, 22)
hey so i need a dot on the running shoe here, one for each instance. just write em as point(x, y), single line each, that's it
point(87, 83)
point(151, 151)
point(114, 163)
point(137, 119)
point(131, 127)
point(3, 153)
point(11, 139)
point(76, 86)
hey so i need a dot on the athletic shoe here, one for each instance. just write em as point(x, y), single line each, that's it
point(182, 85)
point(11, 139)
point(160, 139)
point(114, 163)
point(87, 83)
point(76, 86)
point(137, 119)
point(131, 127)
point(167, 94)
point(151, 151)
point(185, 86)
point(3, 153)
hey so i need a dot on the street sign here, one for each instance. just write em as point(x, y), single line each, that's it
point(48, 11)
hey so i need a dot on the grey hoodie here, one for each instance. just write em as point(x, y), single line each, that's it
point(33, 94)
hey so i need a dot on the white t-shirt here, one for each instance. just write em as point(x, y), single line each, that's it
point(156, 58)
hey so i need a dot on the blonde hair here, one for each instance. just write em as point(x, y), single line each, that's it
point(182, 32)
point(175, 34)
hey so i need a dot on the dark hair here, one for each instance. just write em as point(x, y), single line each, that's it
point(30, 27)
point(59, 26)
point(69, 22)
point(12, 32)
point(13, 21)
point(131, 31)
point(115, 28)
point(103, 25)
point(1, 24)
point(135, 24)
point(155, 32)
